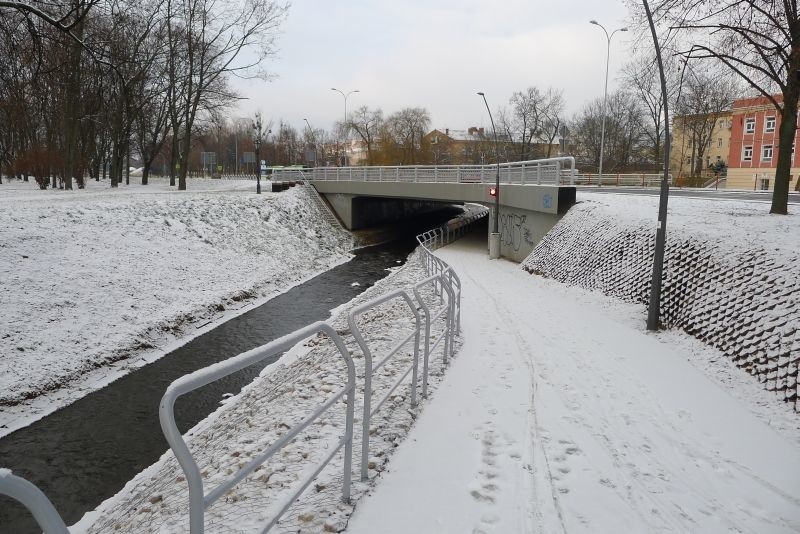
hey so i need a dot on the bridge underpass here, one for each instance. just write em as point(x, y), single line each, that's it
point(534, 195)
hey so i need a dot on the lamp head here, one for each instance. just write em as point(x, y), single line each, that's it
point(594, 22)
point(623, 29)
point(481, 93)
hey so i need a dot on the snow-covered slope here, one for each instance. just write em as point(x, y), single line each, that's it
point(730, 273)
point(97, 281)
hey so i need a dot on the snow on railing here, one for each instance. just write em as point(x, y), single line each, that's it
point(198, 501)
point(543, 171)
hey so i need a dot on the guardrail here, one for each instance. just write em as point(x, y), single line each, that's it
point(198, 501)
point(542, 171)
point(444, 280)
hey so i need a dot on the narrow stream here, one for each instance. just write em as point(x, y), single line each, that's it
point(86, 452)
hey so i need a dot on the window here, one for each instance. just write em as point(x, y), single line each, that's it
point(766, 153)
point(750, 125)
point(747, 153)
point(719, 142)
point(769, 125)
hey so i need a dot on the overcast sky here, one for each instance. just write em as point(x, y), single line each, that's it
point(434, 54)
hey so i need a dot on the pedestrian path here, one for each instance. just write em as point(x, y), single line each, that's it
point(557, 416)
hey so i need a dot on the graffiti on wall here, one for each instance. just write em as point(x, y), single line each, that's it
point(514, 232)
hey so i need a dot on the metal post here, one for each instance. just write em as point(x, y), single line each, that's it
point(661, 231)
point(494, 238)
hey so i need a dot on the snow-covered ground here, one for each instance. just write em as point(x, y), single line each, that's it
point(97, 282)
point(559, 413)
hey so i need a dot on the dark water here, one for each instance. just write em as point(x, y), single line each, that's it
point(86, 452)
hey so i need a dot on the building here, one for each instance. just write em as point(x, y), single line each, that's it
point(755, 125)
point(693, 134)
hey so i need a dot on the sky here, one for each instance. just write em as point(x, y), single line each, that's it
point(435, 54)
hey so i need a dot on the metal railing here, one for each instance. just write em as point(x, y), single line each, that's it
point(34, 500)
point(369, 369)
point(631, 180)
point(543, 171)
point(198, 501)
point(430, 318)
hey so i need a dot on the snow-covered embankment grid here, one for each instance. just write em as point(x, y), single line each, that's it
point(286, 393)
point(730, 273)
point(99, 281)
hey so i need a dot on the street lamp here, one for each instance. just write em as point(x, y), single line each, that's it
point(313, 140)
point(345, 95)
point(494, 238)
point(257, 137)
point(605, 96)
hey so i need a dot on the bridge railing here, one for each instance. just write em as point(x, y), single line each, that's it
point(559, 171)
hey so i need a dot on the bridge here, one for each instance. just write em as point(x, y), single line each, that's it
point(533, 194)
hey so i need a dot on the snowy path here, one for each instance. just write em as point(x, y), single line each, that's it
point(557, 418)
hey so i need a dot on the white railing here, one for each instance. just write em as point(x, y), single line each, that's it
point(558, 171)
point(630, 179)
point(198, 501)
point(34, 500)
point(369, 368)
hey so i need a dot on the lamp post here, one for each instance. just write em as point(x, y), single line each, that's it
point(494, 237)
point(605, 97)
point(313, 140)
point(345, 95)
point(257, 137)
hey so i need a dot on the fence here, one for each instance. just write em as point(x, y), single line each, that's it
point(544, 171)
point(441, 277)
point(631, 180)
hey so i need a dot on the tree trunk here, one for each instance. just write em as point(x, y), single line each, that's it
point(780, 195)
point(71, 102)
point(145, 172)
point(184, 157)
point(128, 165)
point(174, 160)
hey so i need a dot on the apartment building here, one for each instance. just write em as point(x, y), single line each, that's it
point(700, 142)
point(755, 126)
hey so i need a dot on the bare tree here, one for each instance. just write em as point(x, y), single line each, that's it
point(533, 117)
point(212, 36)
point(404, 130)
point(705, 97)
point(367, 124)
point(759, 41)
point(623, 137)
point(642, 77)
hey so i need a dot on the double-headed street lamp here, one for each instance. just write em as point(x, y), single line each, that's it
point(494, 238)
point(258, 137)
point(345, 95)
point(605, 96)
